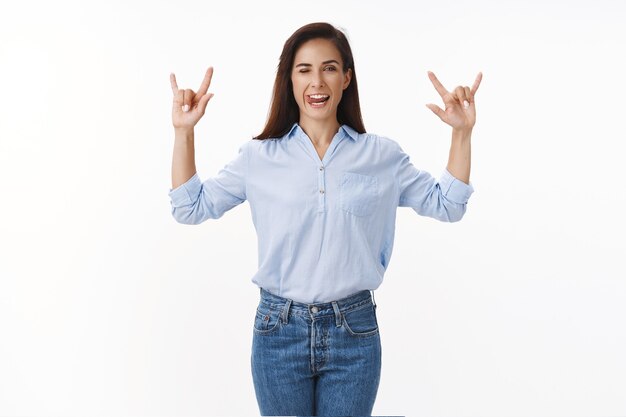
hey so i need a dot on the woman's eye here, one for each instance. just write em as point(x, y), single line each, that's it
point(327, 68)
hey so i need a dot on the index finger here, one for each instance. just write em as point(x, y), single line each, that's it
point(173, 83)
point(440, 88)
point(477, 83)
point(206, 82)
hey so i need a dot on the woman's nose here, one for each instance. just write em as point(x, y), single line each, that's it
point(317, 80)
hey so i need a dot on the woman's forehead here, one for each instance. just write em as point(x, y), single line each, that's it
point(317, 51)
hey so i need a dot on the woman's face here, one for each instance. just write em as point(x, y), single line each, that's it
point(318, 80)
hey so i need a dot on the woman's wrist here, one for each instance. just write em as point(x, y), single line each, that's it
point(183, 134)
point(461, 134)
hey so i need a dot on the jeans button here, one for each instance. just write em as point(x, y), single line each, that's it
point(314, 310)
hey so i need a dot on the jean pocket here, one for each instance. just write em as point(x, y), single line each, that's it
point(267, 318)
point(359, 193)
point(361, 321)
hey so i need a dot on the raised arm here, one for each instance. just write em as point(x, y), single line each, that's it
point(187, 109)
point(460, 113)
point(192, 200)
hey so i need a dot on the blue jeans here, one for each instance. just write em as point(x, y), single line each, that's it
point(320, 359)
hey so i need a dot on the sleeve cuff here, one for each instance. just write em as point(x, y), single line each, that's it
point(187, 193)
point(454, 189)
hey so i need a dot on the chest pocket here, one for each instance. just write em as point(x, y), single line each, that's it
point(359, 193)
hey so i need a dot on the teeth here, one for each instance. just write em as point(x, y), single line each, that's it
point(319, 95)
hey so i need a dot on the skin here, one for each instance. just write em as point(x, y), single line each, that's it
point(187, 109)
point(460, 113)
point(312, 73)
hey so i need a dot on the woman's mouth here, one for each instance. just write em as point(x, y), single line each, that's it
point(317, 100)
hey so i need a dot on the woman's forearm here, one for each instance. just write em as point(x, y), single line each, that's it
point(459, 160)
point(183, 160)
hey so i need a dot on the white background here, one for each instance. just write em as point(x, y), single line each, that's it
point(110, 307)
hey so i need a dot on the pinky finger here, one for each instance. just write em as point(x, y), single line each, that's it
point(173, 83)
point(479, 78)
point(179, 98)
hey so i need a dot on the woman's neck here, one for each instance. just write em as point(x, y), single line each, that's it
point(321, 133)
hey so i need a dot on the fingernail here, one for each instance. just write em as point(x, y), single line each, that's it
point(465, 104)
point(186, 107)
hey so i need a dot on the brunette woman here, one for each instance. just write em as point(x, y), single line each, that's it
point(323, 195)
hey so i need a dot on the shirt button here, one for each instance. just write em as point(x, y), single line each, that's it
point(314, 310)
point(321, 191)
point(321, 168)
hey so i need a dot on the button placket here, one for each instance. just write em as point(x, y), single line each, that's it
point(322, 188)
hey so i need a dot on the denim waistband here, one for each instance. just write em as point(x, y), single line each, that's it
point(316, 309)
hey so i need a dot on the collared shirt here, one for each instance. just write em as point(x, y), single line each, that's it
point(325, 227)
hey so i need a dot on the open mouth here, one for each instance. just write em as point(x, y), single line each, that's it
point(317, 100)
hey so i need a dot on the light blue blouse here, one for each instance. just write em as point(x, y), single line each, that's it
point(325, 228)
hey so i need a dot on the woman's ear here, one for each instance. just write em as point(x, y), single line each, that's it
point(347, 78)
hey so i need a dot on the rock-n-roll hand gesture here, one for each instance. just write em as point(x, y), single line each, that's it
point(460, 112)
point(188, 107)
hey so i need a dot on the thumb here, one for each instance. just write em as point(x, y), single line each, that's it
point(203, 102)
point(436, 109)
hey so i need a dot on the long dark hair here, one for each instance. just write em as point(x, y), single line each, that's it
point(284, 111)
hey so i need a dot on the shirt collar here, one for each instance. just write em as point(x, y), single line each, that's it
point(348, 131)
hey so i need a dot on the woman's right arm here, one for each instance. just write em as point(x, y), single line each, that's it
point(184, 159)
point(192, 200)
point(187, 109)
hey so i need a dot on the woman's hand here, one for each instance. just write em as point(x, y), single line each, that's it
point(188, 106)
point(460, 112)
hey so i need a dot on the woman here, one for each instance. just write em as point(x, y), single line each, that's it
point(323, 195)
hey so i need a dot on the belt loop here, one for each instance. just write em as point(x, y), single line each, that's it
point(337, 314)
point(285, 312)
point(373, 299)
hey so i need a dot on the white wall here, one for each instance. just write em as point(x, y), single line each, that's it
point(110, 307)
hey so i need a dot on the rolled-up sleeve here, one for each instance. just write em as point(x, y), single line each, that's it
point(194, 201)
point(444, 199)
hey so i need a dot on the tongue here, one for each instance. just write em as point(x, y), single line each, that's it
point(317, 100)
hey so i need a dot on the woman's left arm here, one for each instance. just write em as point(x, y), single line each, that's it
point(460, 113)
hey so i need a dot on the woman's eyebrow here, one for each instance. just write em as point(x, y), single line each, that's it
point(323, 63)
